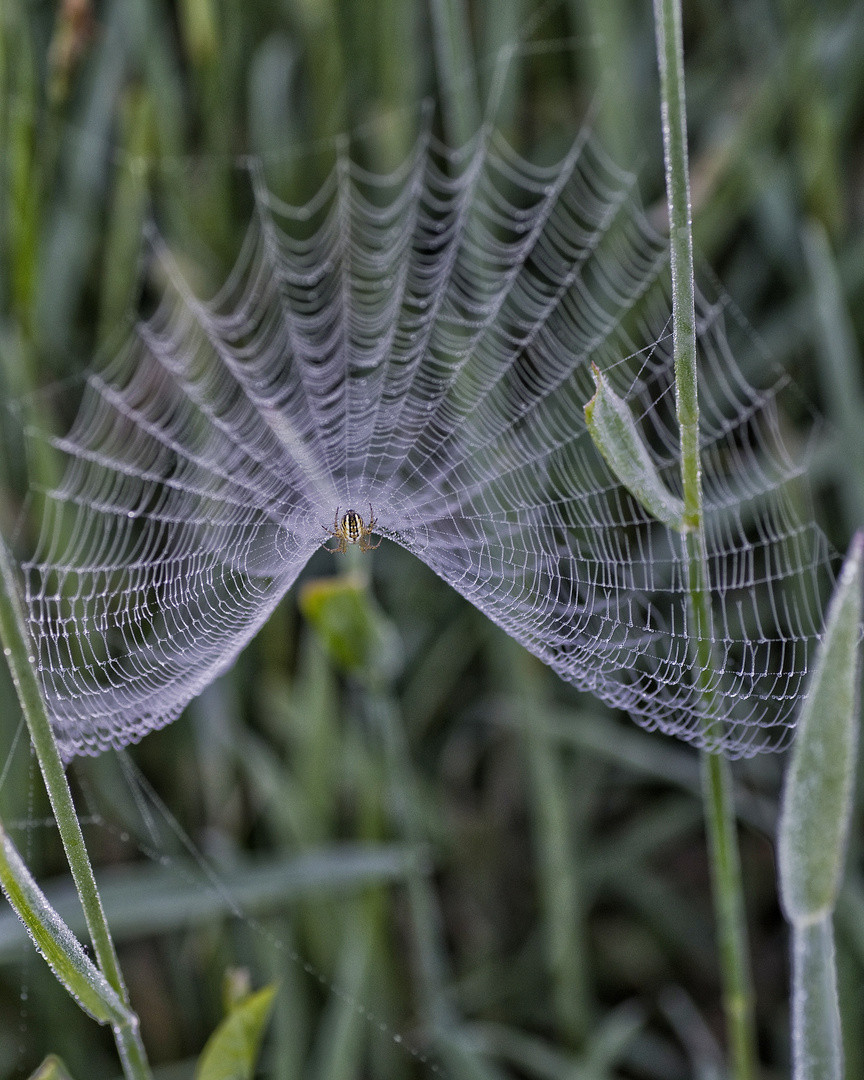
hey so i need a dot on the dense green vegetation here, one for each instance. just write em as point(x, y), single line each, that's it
point(557, 921)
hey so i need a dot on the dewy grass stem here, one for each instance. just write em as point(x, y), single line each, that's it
point(716, 774)
point(13, 634)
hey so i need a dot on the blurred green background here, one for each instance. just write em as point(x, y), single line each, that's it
point(432, 833)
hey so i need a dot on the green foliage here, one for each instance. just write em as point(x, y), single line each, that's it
point(232, 1049)
point(280, 772)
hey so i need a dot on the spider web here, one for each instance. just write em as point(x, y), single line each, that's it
point(418, 346)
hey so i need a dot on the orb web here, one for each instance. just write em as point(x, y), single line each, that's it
point(419, 346)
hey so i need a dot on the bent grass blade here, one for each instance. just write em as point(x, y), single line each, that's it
point(55, 941)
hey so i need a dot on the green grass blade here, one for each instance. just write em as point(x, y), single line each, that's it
point(55, 941)
point(13, 634)
point(840, 370)
point(817, 796)
point(559, 871)
point(141, 900)
point(120, 267)
point(718, 797)
point(340, 1040)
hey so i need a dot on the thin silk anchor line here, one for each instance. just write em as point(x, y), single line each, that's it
point(418, 348)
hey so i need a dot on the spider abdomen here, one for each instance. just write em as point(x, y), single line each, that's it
point(352, 527)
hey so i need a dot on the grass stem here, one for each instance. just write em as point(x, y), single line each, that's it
point(13, 633)
point(716, 774)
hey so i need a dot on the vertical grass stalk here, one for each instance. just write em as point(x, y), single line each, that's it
point(13, 634)
point(716, 775)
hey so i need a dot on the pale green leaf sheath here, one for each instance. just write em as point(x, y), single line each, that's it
point(613, 429)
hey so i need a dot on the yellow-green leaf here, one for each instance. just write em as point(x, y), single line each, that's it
point(232, 1049)
point(52, 1068)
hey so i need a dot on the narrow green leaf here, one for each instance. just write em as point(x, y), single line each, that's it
point(56, 942)
point(613, 429)
point(142, 900)
point(817, 796)
point(338, 1050)
point(232, 1049)
point(52, 1068)
point(125, 224)
point(839, 369)
point(557, 822)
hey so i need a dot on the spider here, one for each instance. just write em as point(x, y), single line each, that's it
point(351, 530)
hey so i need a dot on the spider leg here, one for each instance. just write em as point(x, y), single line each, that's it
point(330, 533)
point(367, 532)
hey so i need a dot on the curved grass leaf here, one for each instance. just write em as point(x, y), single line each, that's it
point(56, 942)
